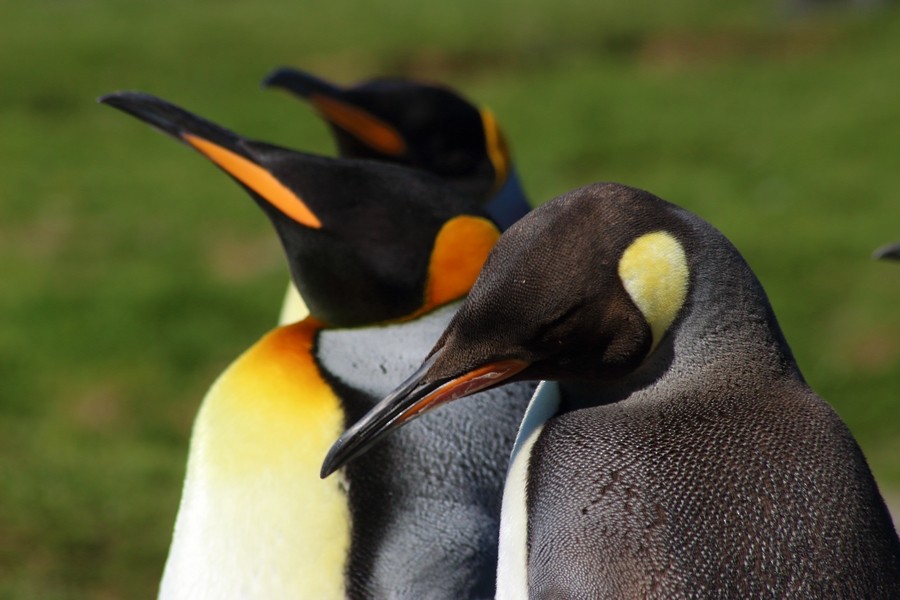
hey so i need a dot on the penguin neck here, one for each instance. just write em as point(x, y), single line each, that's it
point(728, 320)
point(509, 203)
point(370, 360)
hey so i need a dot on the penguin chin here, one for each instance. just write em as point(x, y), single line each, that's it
point(593, 379)
point(613, 386)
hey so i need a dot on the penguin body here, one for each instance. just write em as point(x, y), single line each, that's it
point(255, 520)
point(680, 520)
point(677, 450)
point(381, 254)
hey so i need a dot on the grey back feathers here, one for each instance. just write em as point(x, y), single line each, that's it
point(434, 517)
point(363, 357)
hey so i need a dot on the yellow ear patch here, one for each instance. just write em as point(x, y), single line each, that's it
point(257, 179)
point(495, 145)
point(371, 131)
point(654, 272)
point(460, 249)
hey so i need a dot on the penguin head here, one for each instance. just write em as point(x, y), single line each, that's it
point(425, 126)
point(591, 288)
point(366, 241)
point(585, 289)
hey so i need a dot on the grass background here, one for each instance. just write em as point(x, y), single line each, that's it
point(133, 272)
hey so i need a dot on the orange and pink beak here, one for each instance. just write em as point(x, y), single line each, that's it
point(412, 398)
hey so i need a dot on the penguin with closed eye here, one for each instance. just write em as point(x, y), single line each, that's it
point(673, 448)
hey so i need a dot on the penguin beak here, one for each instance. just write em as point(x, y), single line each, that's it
point(411, 399)
point(330, 102)
point(890, 252)
point(299, 82)
point(222, 147)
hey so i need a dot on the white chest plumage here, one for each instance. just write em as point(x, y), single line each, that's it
point(512, 567)
point(255, 520)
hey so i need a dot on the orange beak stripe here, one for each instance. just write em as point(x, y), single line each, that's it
point(473, 381)
point(369, 130)
point(257, 179)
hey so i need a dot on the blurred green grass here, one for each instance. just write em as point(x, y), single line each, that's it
point(133, 272)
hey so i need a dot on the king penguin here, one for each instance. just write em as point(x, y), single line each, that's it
point(674, 450)
point(382, 254)
point(421, 125)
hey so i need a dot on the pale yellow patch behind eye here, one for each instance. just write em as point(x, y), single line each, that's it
point(654, 272)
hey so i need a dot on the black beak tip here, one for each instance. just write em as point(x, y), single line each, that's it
point(887, 252)
point(332, 460)
point(299, 82)
point(379, 421)
point(352, 443)
point(115, 99)
point(139, 104)
point(276, 77)
point(148, 108)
